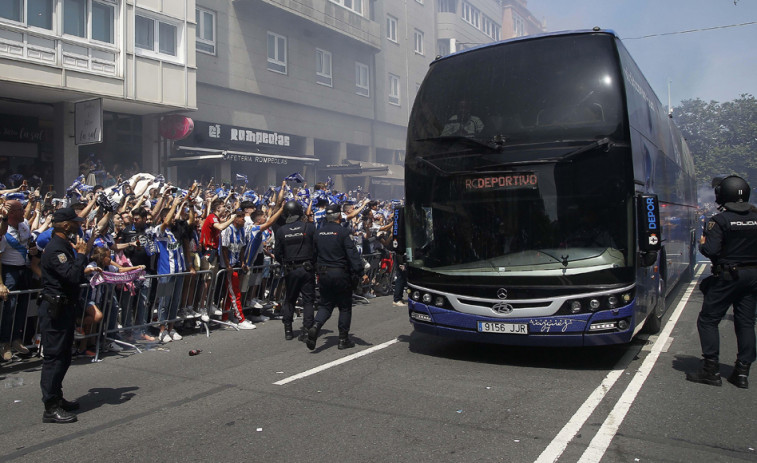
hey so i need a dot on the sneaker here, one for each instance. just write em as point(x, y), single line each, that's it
point(258, 318)
point(369, 295)
point(113, 347)
point(5, 352)
point(246, 325)
point(188, 312)
point(79, 334)
point(19, 347)
point(399, 303)
point(256, 304)
point(84, 353)
point(216, 311)
point(164, 337)
point(174, 335)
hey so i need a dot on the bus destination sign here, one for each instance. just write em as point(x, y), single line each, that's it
point(512, 181)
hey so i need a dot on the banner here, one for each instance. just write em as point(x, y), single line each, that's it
point(117, 278)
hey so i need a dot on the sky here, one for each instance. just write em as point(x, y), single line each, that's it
point(714, 65)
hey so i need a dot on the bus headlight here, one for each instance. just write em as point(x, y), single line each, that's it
point(594, 305)
point(427, 298)
point(612, 302)
point(439, 301)
point(416, 296)
point(575, 306)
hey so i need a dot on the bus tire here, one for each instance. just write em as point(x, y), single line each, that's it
point(653, 322)
point(688, 274)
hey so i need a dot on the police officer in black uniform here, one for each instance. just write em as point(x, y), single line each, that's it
point(294, 251)
point(339, 266)
point(63, 265)
point(730, 241)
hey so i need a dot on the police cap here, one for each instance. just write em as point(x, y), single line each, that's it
point(333, 209)
point(66, 214)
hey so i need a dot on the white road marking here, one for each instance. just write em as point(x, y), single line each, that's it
point(555, 448)
point(598, 445)
point(340, 361)
point(558, 445)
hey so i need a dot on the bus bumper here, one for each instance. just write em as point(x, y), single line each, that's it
point(576, 330)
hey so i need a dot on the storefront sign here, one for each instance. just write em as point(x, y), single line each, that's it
point(88, 121)
point(220, 136)
point(20, 129)
point(253, 158)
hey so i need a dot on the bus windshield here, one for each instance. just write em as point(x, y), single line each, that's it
point(526, 92)
point(542, 219)
point(518, 162)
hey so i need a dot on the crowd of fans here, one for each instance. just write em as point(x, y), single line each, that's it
point(172, 240)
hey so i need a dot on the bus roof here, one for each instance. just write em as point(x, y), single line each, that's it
point(531, 37)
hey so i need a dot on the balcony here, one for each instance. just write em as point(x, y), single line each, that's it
point(21, 44)
point(335, 17)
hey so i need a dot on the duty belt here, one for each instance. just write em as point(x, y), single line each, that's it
point(308, 265)
point(729, 267)
point(325, 268)
point(54, 299)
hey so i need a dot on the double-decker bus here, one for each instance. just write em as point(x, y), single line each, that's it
point(550, 199)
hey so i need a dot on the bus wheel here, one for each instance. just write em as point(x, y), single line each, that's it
point(654, 320)
point(688, 274)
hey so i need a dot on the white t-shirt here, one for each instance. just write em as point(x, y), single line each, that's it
point(9, 255)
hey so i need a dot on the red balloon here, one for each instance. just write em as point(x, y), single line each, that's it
point(176, 127)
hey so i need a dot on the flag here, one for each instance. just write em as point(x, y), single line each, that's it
point(241, 178)
point(330, 183)
point(296, 177)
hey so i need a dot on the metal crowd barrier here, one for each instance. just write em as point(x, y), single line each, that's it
point(126, 312)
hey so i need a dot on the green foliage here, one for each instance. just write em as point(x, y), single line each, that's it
point(722, 136)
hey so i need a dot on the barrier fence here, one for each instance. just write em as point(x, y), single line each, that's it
point(117, 316)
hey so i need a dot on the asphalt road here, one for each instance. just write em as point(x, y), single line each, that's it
point(397, 396)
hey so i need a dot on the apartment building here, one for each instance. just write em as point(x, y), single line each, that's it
point(91, 77)
point(518, 21)
point(320, 87)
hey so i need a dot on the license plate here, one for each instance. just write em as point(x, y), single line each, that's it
point(503, 328)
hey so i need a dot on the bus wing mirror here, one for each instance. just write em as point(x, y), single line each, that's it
point(647, 259)
point(649, 228)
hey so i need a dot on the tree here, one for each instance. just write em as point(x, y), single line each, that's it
point(722, 136)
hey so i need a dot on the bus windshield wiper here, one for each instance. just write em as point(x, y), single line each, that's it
point(607, 142)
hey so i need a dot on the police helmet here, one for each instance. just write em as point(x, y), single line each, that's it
point(292, 211)
point(333, 212)
point(732, 189)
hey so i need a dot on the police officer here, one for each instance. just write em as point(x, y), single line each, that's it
point(730, 241)
point(63, 263)
point(338, 265)
point(294, 251)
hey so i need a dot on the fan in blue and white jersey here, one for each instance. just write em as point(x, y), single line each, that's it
point(170, 250)
point(232, 243)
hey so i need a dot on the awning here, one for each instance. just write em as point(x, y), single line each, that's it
point(193, 153)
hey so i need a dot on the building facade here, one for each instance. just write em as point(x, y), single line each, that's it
point(319, 87)
point(518, 21)
point(135, 61)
